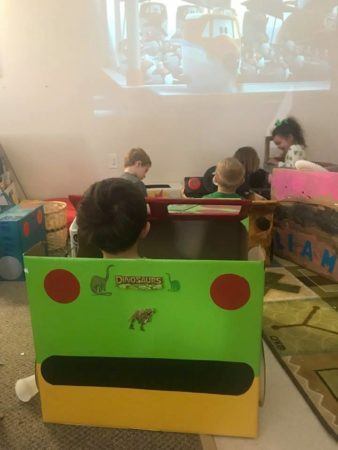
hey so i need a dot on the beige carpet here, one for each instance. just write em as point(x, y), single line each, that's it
point(21, 426)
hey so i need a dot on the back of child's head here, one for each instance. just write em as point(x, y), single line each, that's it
point(230, 173)
point(137, 154)
point(112, 215)
point(289, 127)
point(249, 158)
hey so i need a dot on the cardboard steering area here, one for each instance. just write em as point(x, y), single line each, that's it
point(169, 342)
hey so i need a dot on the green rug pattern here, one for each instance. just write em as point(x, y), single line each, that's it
point(301, 327)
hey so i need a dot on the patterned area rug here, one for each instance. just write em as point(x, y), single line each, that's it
point(21, 426)
point(301, 328)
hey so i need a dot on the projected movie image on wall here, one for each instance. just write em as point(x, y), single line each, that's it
point(175, 46)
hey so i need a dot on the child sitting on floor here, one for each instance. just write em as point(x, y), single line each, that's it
point(112, 216)
point(136, 165)
point(229, 176)
point(288, 135)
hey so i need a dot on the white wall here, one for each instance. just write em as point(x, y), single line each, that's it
point(52, 53)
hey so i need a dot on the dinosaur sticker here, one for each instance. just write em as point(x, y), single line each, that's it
point(142, 317)
point(98, 284)
point(175, 285)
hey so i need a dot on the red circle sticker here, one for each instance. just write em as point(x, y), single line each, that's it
point(26, 229)
point(194, 184)
point(62, 286)
point(230, 291)
point(39, 217)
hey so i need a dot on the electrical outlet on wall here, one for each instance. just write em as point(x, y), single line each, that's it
point(112, 160)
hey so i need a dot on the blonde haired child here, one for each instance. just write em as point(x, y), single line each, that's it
point(230, 174)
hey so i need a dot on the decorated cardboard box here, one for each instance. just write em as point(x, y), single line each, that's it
point(167, 345)
point(306, 220)
point(20, 229)
point(171, 342)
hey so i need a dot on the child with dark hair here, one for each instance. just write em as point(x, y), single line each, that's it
point(256, 179)
point(112, 216)
point(289, 137)
point(136, 165)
